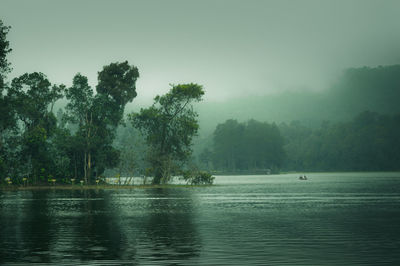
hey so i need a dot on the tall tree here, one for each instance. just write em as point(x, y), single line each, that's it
point(248, 146)
point(7, 118)
point(97, 116)
point(79, 112)
point(228, 138)
point(119, 81)
point(4, 50)
point(33, 95)
point(169, 126)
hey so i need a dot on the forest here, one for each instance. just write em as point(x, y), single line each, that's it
point(354, 126)
point(369, 142)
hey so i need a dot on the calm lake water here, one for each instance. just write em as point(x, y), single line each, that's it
point(330, 219)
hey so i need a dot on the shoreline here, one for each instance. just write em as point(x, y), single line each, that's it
point(92, 187)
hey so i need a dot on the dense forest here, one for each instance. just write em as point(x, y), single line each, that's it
point(367, 143)
point(245, 147)
point(353, 126)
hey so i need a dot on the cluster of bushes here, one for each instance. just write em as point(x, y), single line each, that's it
point(198, 177)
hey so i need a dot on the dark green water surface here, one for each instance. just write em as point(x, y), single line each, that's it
point(331, 219)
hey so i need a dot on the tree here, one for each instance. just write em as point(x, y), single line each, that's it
point(82, 142)
point(248, 146)
point(32, 96)
point(4, 50)
point(7, 117)
point(368, 143)
point(169, 126)
point(26, 124)
point(206, 158)
point(263, 146)
point(119, 81)
point(132, 147)
point(97, 116)
point(227, 144)
point(80, 96)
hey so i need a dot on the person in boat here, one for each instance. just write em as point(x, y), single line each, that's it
point(303, 177)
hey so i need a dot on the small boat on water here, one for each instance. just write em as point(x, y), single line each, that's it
point(303, 177)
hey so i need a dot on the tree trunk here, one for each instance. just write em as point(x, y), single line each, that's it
point(76, 167)
point(157, 175)
point(89, 172)
point(85, 168)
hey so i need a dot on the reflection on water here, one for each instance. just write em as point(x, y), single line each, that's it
point(90, 225)
point(331, 219)
point(169, 226)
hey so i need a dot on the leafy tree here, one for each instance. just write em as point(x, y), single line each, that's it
point(263, 146)
point(132, 147)
point(7, 118)
point(206, 159)
point(294, 145)
point(4, 50)
point(97, 116)
point(32, 95)
point(119, 81)
point(250, 146)
point(169, 126)
point(80, 96)
point(227, 144)
point(367, 143)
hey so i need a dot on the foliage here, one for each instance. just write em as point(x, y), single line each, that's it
point(198, 177)
point(32, 95)
point(7, 117)
point(119, 81)
point(36, 145)
point(367, 143)
point(169, 126)
point(247, 146)
point(4, 50)
point(132, 147)
point(97, 116)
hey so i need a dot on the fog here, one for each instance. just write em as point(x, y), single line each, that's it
point(286, 64)
point(235, 49)
point(291, 107)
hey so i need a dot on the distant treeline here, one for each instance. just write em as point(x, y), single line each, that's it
point(245, 147)
point(370, 142)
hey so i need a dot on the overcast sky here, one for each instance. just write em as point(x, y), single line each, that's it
point(233, 48)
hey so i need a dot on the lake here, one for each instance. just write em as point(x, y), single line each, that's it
point(330, 219)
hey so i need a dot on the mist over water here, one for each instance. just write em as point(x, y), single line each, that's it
point(233, 48)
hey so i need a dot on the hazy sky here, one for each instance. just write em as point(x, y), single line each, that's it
point(233, 48)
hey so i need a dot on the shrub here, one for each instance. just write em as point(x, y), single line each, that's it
point(198, 178)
